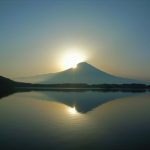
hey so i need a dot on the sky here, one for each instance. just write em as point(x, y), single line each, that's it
point(112, 35)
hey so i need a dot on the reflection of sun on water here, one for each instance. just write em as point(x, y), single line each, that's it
point(72, 110)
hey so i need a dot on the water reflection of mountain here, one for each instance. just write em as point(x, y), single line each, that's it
point(84, 101)
point(5, 93)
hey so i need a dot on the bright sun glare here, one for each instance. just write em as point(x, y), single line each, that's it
point(72, 110)
point(71, 59)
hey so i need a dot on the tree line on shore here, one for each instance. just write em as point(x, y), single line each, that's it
point(6, 83)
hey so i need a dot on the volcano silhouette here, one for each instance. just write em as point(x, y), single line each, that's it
point(84, 73)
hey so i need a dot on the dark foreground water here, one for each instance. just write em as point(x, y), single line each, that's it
point(75, 121)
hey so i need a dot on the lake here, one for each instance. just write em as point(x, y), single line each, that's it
point(88, 120)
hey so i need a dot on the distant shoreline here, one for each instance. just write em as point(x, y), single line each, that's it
point(81, 89)
point(8, 86)
point(82, 86)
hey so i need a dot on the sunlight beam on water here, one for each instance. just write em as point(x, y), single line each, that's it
point(72, 110)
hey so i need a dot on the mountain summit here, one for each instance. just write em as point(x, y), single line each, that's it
point(83, 73)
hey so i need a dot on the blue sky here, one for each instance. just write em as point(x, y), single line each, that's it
point(114, 34)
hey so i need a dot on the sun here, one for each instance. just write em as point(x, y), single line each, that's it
point(71, 59)
point(74, 66)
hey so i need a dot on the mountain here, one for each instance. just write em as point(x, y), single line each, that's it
point(6, 86)
point(36, 78)
point(5, 82)
point(84, 73)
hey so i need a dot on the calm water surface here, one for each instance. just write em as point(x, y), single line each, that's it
point(75, 121)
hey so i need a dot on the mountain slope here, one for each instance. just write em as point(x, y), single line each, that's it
point(35, 79)
point(5, 82)
point(84, 73)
